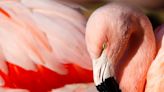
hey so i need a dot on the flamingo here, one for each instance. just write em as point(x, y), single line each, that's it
point(121, 43)
point(42, 46)
point(34, 48)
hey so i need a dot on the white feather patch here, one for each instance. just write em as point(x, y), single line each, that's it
point(102, 68)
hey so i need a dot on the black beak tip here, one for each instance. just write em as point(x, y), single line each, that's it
point(109, 85)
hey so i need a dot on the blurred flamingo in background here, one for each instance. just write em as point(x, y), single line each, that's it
point(42, 45)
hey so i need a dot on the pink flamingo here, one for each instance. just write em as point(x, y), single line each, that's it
point(122, 46)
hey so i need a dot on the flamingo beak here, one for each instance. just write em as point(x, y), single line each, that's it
point(103, 72)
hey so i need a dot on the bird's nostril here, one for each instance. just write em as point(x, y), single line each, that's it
point(109, 85)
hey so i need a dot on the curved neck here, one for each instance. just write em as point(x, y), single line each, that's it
point(140, 52)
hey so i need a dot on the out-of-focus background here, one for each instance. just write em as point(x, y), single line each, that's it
point(154, 9)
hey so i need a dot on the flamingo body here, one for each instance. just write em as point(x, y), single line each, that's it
point(42, 46)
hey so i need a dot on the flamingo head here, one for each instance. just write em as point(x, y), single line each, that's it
point(107, 36)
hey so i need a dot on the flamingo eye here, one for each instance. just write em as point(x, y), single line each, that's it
point(104, 46)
